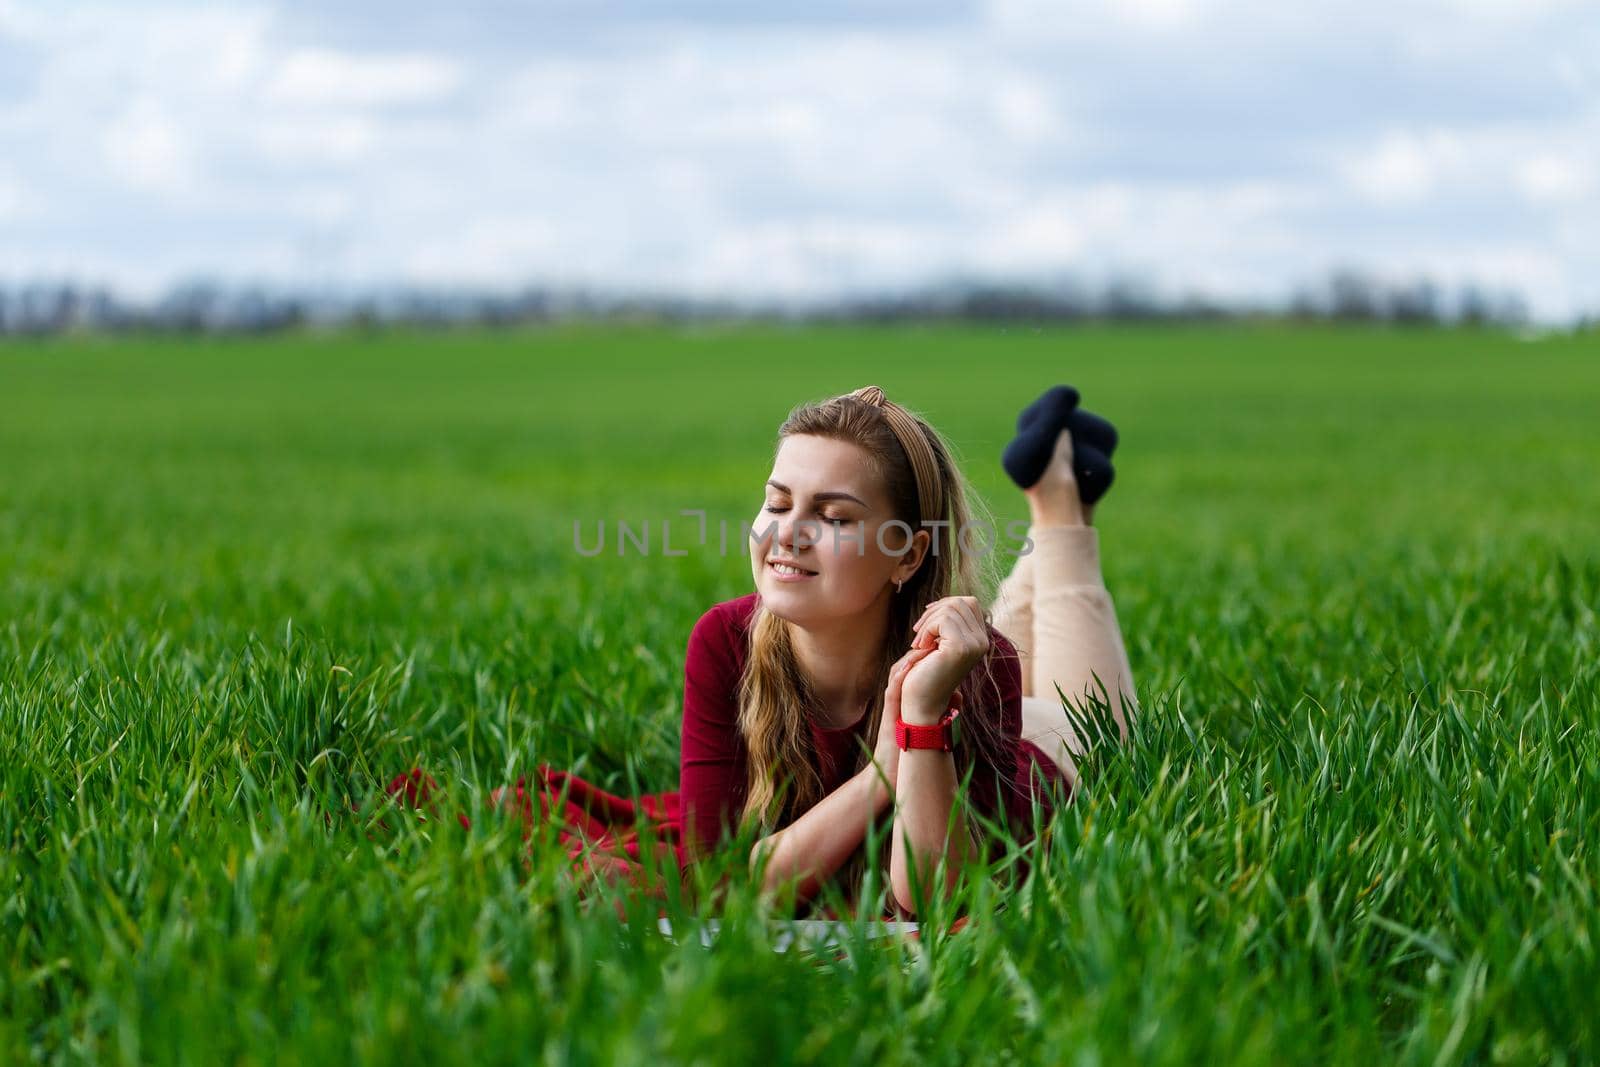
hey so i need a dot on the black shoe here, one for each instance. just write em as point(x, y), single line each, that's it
point(1041, 422)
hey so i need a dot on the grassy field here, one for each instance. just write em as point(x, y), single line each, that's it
point(244, 581)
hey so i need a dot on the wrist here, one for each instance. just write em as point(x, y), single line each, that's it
point(923, 713)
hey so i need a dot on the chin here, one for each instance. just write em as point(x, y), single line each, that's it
point(801, 607)
point(807, 608)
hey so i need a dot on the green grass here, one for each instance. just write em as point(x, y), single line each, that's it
point(244, 581)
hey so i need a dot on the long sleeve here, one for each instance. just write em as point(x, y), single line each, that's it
point(1002, 790)
point(1009, 675)
point(711, 770)
point(1007, 665)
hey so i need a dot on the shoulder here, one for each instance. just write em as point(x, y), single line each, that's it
point(718, 643)
point(725, 622)
point(715, 660)
point(738, 612)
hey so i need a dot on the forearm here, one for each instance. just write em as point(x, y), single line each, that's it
point(926, 814)
point(809, 850)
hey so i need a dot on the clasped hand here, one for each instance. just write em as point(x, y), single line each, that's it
point(951, 637)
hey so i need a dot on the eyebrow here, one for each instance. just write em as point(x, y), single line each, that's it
point(834, 495)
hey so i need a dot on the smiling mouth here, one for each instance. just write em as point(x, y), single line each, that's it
point(783, 567)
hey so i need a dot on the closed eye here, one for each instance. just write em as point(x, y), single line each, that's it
point(835, 520)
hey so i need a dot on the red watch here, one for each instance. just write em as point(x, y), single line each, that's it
point(940, 736)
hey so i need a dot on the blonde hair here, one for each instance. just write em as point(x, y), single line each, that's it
point(776, 701)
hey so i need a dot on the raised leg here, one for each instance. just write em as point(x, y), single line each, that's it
point(1012, 615)
point(1078, 644)
point(1075, 644)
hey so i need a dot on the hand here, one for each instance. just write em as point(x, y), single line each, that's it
point(953, 633)
point(887, 753)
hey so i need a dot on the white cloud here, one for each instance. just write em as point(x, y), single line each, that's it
point(1164, 14)
point(488, 250)
point(1555, 178)
point(338, 139)
point(1026, 111)
point(321, 206)
point(1402, 167)
point(319, 76)
point(1535, 164)
point(1053, 20)
point(1242, 146)
point(149, 150)
point(11, 201)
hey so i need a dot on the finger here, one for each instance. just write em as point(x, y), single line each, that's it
point(891, 695)
point(978, 625)
point(897, 678)
point(928, 634)
point(971, 614)
point(936, 624)
point(924, 616)
point(967, 638)
point(959, 634)
point(970, 609)
point(980, 629)
point(902, 665)
point(909, 657)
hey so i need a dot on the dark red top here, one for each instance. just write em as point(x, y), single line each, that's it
point(712, 765)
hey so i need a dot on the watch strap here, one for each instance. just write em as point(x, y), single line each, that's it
point(939, 736)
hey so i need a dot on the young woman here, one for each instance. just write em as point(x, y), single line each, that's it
point(866, 614)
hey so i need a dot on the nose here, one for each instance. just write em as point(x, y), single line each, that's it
point(793, 535)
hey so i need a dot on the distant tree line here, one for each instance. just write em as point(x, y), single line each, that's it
point(1343, 296)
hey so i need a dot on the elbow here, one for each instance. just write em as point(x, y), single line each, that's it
point(936, 874)
point(761, 855)
point(900, 896)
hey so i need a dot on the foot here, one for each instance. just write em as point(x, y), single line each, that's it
point(1093, 439)
point(1055, 499)
point(1030, 454)
point(1030, 451)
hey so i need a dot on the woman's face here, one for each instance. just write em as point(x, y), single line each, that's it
point(825, 511)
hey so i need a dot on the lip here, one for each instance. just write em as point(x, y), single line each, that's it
point(780, 576)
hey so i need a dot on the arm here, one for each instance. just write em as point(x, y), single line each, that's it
point(711, 766)
point(928, 826)
point(808, 851)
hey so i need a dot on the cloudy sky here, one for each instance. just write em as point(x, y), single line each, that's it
point(734, 147)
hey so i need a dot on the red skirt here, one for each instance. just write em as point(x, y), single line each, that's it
point(605, 836)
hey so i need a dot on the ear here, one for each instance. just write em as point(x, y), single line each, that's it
point(911, 562)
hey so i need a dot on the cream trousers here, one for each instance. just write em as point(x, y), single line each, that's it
point(1054, 606)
